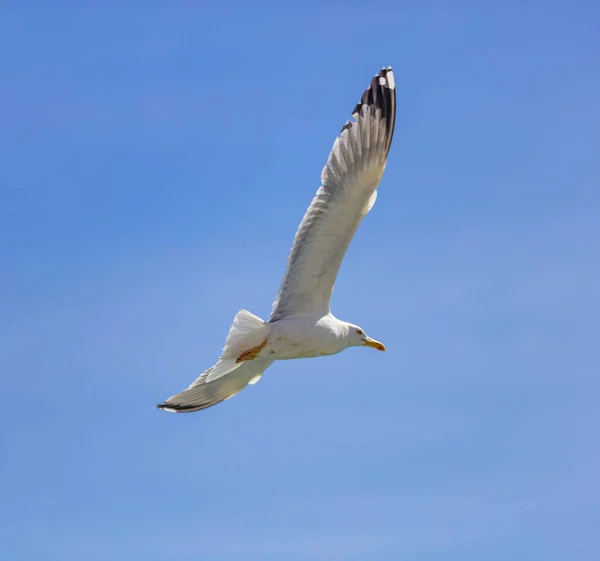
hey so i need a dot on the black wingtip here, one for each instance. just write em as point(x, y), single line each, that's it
point(174, 408)
point(171, 407)
point(347, 126)
point(380, 95)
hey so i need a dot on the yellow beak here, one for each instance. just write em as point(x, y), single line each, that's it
point(374, 344)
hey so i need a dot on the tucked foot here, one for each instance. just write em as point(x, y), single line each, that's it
point(251, 353)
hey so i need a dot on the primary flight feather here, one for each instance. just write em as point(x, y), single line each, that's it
point(301, 323)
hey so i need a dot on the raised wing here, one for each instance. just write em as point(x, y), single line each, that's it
point(347, 193)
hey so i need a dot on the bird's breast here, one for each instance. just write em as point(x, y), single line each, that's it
point(288, 341)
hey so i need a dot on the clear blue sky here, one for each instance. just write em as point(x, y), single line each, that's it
point(156, 162)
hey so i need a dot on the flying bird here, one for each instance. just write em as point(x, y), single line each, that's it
point(301, 323)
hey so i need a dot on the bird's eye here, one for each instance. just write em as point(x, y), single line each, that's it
point(360, 331)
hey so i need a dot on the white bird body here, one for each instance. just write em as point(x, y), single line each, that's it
point(301, 323)
point(305, 337)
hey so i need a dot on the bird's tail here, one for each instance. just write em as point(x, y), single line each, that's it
point(247, 336)
point(246, 331)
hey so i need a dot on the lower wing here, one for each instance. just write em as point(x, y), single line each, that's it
point(202, 393)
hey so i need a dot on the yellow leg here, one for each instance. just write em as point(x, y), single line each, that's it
point(252, 353)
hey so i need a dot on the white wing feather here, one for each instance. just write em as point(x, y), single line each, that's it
point(347, 193)
point(204, 393)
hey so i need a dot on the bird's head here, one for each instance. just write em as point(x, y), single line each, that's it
point(358, 338)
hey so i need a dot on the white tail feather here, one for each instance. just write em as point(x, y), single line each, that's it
point(247, 331)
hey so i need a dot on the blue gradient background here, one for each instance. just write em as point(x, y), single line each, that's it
point(156, 161)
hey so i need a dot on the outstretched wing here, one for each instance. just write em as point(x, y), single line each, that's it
point(203, 393)
point(347, 193)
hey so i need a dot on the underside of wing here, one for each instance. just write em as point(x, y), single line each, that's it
point(204, 393)
point(347, 193)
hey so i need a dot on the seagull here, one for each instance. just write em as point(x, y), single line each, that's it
point(301, 323)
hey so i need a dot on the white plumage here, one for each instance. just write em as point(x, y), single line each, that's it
point(301, 324)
